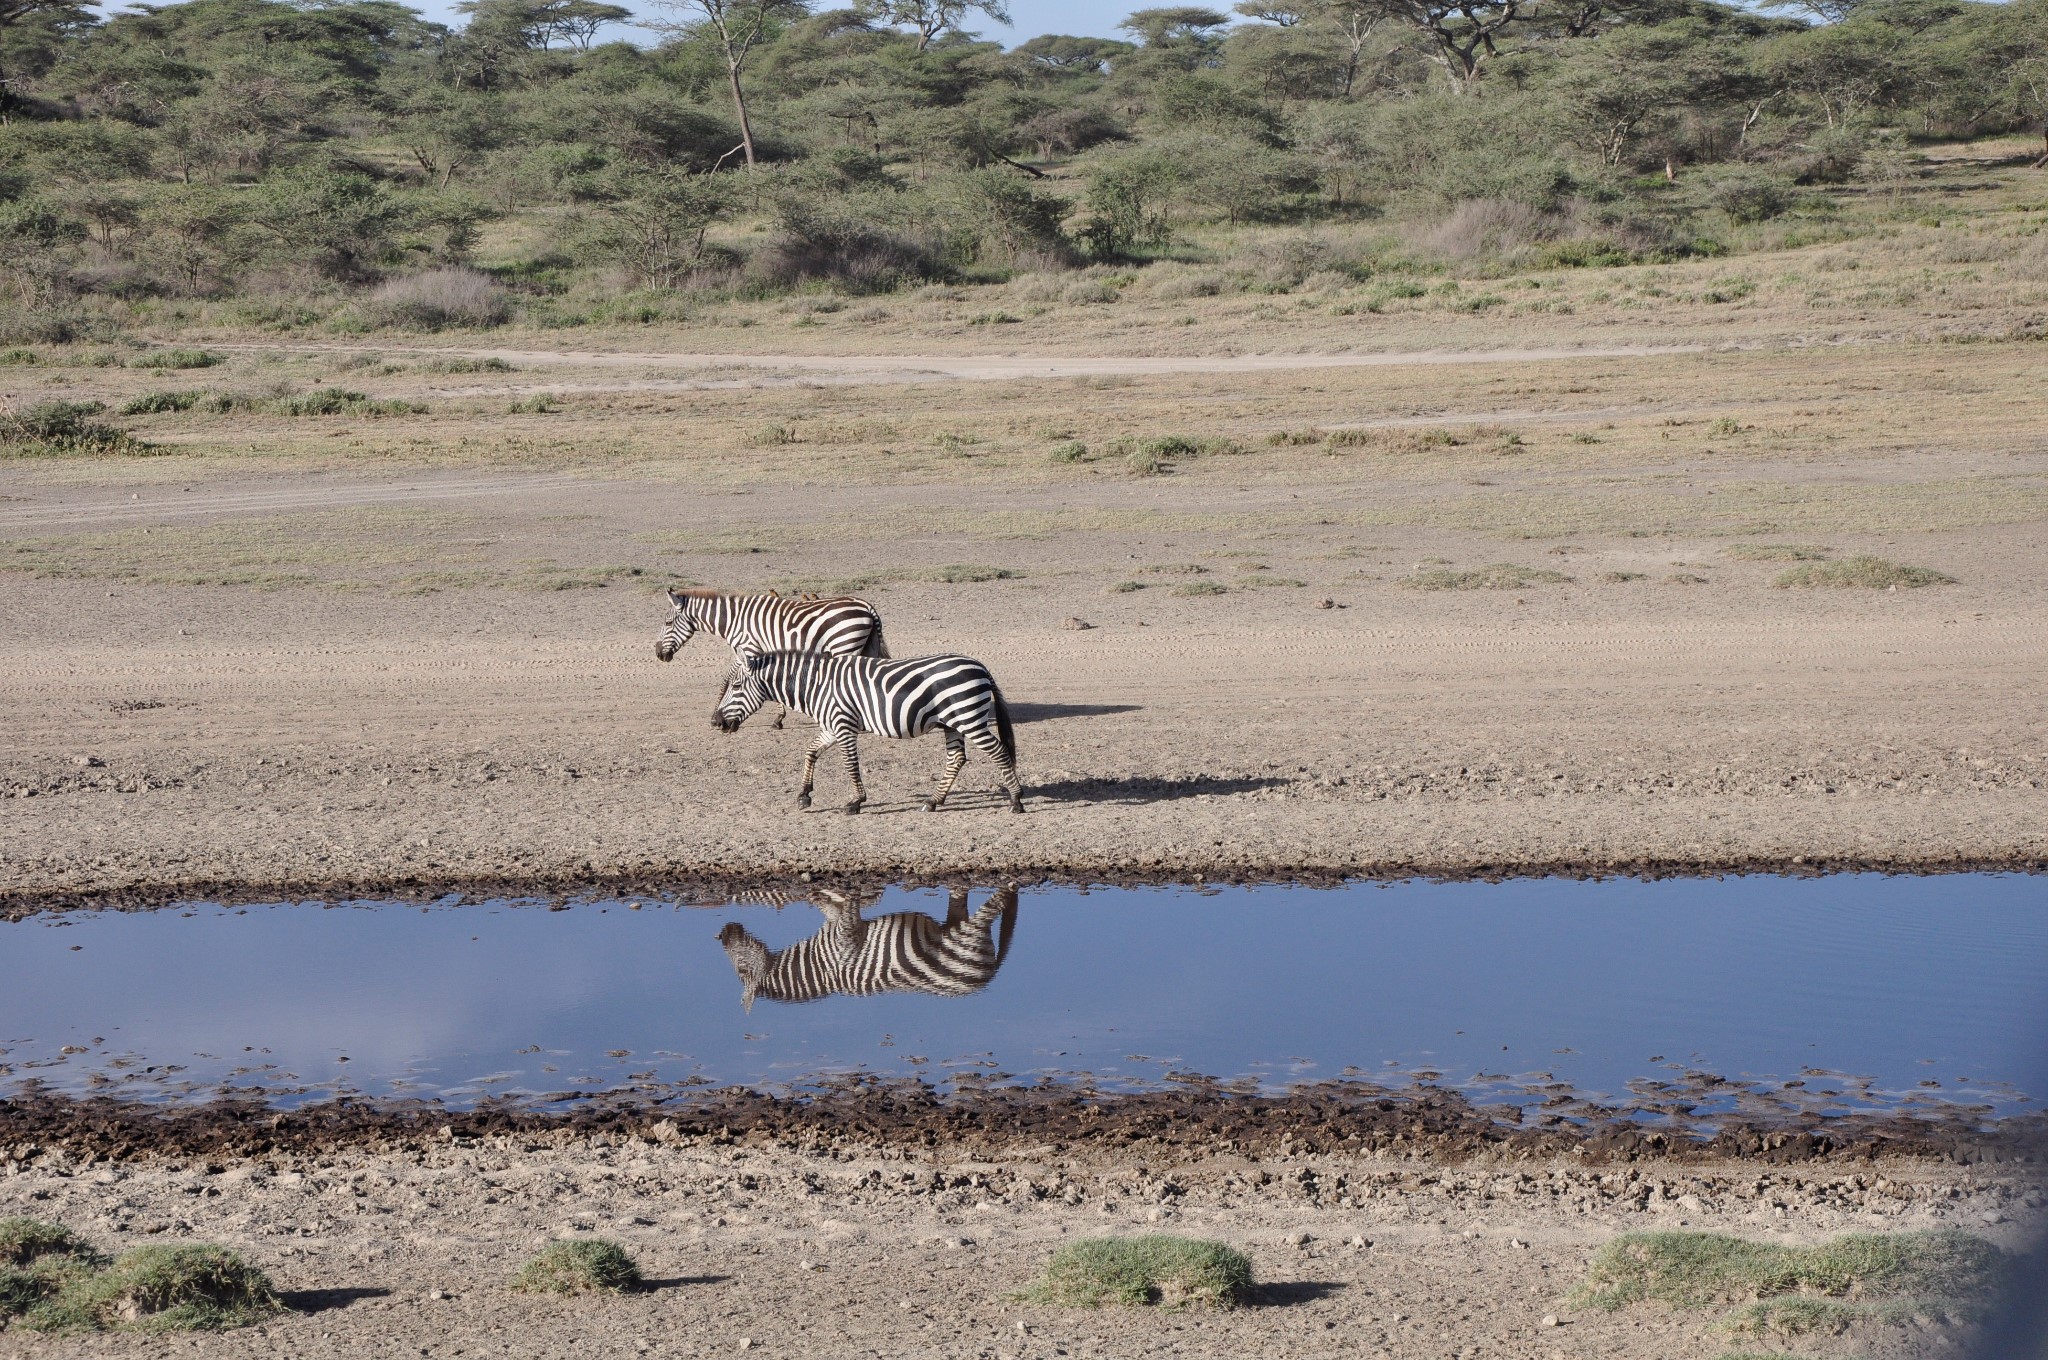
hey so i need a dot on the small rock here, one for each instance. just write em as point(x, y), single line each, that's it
point(439, 1295)
point(746, 1343)
point(1361, 1242)
point(1023, 1328)
point(1992, 1216)
point(1073, 625)
point(808, 1265)
point(88, 762)
point(1299, 1239)
point(1326, 603)
point(1518, 1244)
point(1549, 1320)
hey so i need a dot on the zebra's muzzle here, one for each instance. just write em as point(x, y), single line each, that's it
point(664, 650)
point(725, 724)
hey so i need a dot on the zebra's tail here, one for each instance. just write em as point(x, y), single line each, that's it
point(877, 647)
point(1006, 733)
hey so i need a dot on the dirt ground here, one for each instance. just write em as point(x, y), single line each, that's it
point(297, 671)
point(766, 1249)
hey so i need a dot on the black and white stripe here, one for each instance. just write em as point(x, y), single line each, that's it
point(753, 625)
point(848, 695)
point(905, 951)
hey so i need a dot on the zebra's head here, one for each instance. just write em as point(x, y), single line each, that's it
point(682, 625)
point(745, 693)
point(750, 959)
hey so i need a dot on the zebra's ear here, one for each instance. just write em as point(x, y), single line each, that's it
point(674, 598)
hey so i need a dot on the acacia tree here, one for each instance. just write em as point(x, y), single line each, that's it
point(1461, 33)
point(929, 18)
point(738, 26)
point(1352, 21)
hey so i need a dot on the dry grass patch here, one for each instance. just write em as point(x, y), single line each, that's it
point(1496, 576)
point(1169, 1272)
point(1201, 588)
point(1779, 552)
point(1793, 1289)
point(590, 1266)
point(1862, 570)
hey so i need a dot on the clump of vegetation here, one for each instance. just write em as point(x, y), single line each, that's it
point(1072, 451)
point(1870, 573)
point(462, 365)
point(66, 1286)
point(538, 404)
point(1256, 579)
point(586, 1266)
point(961, 573)
point(1126, 587)
point(1169, 1272)
point(1201, 588)
point(178, 358)
point(1619, 577)
point(1695, 1270)
point(59, 428)
point(1495, 576)
point(772, 436)
point(336, 401)
point(1779, 552)
point(160, 403)
point(18, 357)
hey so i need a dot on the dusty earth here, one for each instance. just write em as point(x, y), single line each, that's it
point(764, 1246)
point(167, 738)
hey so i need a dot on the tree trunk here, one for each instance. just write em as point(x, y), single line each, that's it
point(739, 104)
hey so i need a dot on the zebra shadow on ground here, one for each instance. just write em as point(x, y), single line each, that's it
point(1139, 789)
point(1031, 713)
point(853, 955)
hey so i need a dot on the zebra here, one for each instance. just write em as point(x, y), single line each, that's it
point(755, 624)
point(848, 695)
point(904, 951)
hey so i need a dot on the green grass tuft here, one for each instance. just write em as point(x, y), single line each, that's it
point(1201, 588)
point(1171, 1272)
point(24, 1241)
point(161, 1289)
point(591, 1266)
point(539, 404)
point(334, 401)
point(1694, 1270)
point(1496, 576)
point(1073, 451)
point(159, 403)
point(1870, 573)
point(55, 429)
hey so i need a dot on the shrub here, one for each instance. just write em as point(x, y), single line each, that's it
point(19, 356)
point(334, 401)
point(1778, 552)
point(1171, 1272)
point(163, 1288)
point(437, 300)
point(1486, 227)
point(539, 404)
point(1750, 196)
point(460, 365)
point(1073, 451)
point(591, 1266)
point(56, 428)
point(159, 403)
point(1496, 576)
point(1201, 588)
point(178, 358)
point(1871, 573)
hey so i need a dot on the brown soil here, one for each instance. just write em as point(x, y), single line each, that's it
point(787, 1234)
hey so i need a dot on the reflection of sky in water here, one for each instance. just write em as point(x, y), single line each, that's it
point(1902, 980)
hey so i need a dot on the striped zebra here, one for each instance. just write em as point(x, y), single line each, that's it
point(756, 624)
point(848, 695)
point(905, 951)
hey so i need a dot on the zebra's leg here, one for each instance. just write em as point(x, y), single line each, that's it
point(850, 748)
point(956, 756)
point(990, 745)
point(803, 796)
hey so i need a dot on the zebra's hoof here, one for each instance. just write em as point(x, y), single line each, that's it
point(803, 800)
point(852, 808)
point(931, 805)
point(777, 724)
point(1016, 805)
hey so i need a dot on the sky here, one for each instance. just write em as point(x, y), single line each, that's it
point(1033, 17)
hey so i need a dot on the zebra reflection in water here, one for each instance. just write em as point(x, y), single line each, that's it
point(905, 951)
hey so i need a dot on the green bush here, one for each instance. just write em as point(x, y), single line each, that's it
point(1170, 1272)
point(178, 358)
point(160, 1289)
point(589, 1266)
point(159, 403)
point(25, 1241)
point(60, 428)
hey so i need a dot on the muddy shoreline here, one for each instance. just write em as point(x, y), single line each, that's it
point(22, 903)
point(915, 1119)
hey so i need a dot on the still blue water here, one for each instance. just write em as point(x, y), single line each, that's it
point(1929, 988)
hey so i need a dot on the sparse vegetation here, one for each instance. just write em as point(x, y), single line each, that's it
point(56, 1282)
point(1861, 571)
point(585, 1266)
point(1799, 1287)
point(1497, 576)
point(1168, 1272)
point(178, 358)
point(56, 429)
point(1201, 588)
point(1779, 552)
